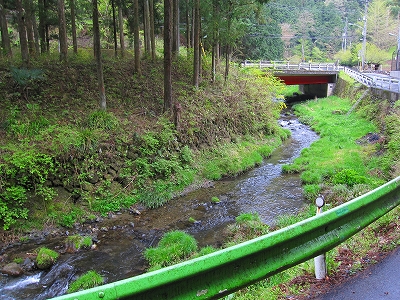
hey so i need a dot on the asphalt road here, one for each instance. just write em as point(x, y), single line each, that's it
point(380, 281)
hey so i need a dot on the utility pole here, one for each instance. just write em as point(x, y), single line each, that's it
point(344, 40)
point(364, 33)
point(398, 52)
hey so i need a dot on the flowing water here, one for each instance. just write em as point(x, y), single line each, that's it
point(122, 238)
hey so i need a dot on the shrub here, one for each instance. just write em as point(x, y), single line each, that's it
point(88, 280)
point(12, 202)
point(28, 167)
point(25, 78)
point(186, 155)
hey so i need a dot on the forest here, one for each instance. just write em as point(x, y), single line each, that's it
point(240, 29)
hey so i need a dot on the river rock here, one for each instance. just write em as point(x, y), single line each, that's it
point(28, 265)
point(12, 269)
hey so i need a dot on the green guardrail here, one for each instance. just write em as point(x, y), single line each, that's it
point(220, 273)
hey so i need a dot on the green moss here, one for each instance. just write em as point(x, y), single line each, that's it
point(215, 200)
point(18, 260)
point(46, 258)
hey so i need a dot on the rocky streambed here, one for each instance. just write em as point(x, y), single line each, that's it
point(120, 239)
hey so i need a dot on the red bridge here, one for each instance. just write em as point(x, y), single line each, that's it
point(316, 79)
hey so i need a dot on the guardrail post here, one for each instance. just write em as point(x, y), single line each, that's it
point(319, 261)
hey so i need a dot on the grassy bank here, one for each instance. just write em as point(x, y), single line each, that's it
point(348, 160)
point(63, 161)
point(343, 163)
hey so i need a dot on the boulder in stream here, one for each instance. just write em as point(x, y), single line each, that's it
point(12, 269)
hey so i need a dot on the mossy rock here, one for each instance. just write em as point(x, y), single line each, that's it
point(46, 258)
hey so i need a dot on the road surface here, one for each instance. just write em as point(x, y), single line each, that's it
point(380, 281)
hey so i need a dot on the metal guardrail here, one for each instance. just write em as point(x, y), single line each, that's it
point(377, 81)
point(220, 273)
point(281, 65)
point(360, 77)
point(387, 83)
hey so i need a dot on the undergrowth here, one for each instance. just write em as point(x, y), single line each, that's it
point(55, 138)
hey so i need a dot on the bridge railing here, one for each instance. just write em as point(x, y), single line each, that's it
point(282, 65)
point(388, 84)
point(379, 82)
point(220, 273)
point(360, 77)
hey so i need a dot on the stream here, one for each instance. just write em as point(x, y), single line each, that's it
point(121, 238)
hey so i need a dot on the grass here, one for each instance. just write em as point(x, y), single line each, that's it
point(173, 247)
point(235, 158)
point(46, 258)
point(86, 281)
point(336, 158)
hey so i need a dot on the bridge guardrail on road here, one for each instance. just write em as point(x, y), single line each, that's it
point(377, 81)
point(280, 65)
point(225, 271)
point(388, 84)
point(360, 77)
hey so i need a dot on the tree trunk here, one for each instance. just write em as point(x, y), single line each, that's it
point(62, 31)
point(146, 18)
point(29, 16)
point(152, 35)
point(136, 39)
point(22, 33)
point(121, 30)
point(213, 64)
point(5, 38)
point(114, 28)
point(187, 26)
point(175, 31)
point(73, 26)
point(227, 61)
point(167, 55)
point(192, 31)
point(96, 42)
point(215, 39)
point(42, 26)
point(35, 33)
point(196, 44)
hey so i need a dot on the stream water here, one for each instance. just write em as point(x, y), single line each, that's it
point(121, 238)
